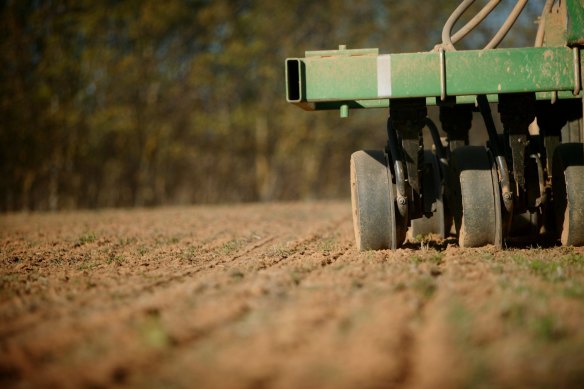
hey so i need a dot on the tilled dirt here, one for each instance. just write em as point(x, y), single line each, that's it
point(276, 296)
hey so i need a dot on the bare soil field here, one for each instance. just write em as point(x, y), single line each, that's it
point(276, 296)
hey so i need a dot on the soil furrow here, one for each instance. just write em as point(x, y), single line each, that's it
point(276, 295)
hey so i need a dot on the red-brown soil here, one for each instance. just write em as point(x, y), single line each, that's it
point(276, 296)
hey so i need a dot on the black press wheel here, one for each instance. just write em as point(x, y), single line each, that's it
point(476, 202)
point(376, 221)
point(568, 191)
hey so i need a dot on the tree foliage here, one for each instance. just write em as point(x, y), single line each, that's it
point(138, 103)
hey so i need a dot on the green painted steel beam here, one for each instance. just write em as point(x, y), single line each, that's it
point(365, 79)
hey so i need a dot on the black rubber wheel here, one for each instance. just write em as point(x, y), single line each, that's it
point(376, 222)
point(568, 192)
point(476, 203)
point(433, 194)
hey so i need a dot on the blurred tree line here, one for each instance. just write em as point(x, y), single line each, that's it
point(138, 103)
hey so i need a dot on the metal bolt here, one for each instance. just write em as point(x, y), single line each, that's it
point(344, 111)
point(507, 196)
point(401, 200)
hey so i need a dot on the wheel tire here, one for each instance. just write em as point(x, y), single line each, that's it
point(568, 192)
point(376, 222)
point(475, 198)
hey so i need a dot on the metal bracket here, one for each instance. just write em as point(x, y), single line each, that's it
point(577, 80)
point(395, 154)
point(517, 112)
point(442, 74)
point(502, 169)
point(407, 119)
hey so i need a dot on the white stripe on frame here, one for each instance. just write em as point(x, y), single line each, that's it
point(384, 75)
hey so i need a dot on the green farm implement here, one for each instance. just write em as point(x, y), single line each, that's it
point(524, 181)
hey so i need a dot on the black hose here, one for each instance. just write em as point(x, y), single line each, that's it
point(435, 138)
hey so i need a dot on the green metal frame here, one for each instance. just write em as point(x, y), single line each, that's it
point(363, 78)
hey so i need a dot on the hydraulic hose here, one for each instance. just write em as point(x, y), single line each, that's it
point(475, 21)
point(436, 138)
point(447, 30)
point(507, 25)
